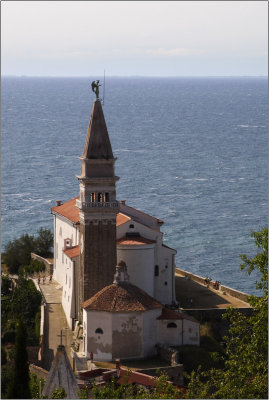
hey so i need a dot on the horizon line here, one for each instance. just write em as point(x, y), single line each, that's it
point(133, 76)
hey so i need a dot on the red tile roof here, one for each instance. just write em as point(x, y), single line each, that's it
point(136, 377)
point(71, 212)
point(121, 219)
point(168, 314)
point(135, 240)
point(68, 210)
point(72, 252)
point(122, 297)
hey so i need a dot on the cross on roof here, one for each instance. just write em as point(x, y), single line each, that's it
point(61, 335)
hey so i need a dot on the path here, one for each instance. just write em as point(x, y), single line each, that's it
point(55, 321)
point(202, 297)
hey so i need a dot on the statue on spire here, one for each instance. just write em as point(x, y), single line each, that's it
point(95, 88)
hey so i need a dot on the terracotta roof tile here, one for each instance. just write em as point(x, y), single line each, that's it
point(71, 212)
point(68, 210)
point(122, 297)
point(121, 219)
point(136, 377)
point(168, 314)
point(72, 252)
point(136, 240)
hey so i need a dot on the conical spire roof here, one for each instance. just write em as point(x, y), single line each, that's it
point(97, 144)
point(61, 376)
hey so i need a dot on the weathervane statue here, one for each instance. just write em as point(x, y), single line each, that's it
point(95, 88)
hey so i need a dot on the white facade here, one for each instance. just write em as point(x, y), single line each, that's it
point(150, 265)
point(130, 335)
point(178, 332)
point(63, 230)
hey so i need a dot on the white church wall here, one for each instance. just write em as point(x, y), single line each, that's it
point(150, 337)
point(64, 229)
point(140, 265)
point(143, 230)
point(164, 280)
point(127, 335)
point(169, 332)
point(98, 328)
point(68, 293)
point(191, 332)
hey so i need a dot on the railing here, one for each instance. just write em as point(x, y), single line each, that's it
point(111, 204)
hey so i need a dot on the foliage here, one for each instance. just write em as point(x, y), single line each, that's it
point(26, 303)
point(18, 387)
point(246, 369)
point(6, 285)
point(163, 390)
point(3, 356)
point(83, 393)
point(34, 267)
point(44, 242)
point(18, 251)
point(6, 375)
point(192, 356)
point(35, 385)
point(23, 301)
point(59, 393)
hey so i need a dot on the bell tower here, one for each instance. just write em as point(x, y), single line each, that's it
point(98, 209)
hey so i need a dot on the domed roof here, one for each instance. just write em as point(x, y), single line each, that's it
point(121, 297)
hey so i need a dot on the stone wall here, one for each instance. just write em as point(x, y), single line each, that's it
point(169, 354)
point(38, 371)
point(175, 373)
point(48, 265)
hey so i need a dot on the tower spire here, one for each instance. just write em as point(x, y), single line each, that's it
point(98, 208)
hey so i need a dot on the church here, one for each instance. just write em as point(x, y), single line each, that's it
point(117, 275)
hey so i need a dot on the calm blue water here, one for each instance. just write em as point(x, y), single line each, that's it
point(191, 151)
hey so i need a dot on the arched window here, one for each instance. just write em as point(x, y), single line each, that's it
point(92, 197)
point(99, 330)
point(106, 197)
point(171, 325)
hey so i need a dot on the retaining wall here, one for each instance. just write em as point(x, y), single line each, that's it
point(175, 373)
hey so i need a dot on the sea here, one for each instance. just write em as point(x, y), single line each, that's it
point(191, 151)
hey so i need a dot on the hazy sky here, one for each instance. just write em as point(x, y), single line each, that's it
point(158, 38)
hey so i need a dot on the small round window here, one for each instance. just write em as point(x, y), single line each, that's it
point(131, 226)
point(99, 330)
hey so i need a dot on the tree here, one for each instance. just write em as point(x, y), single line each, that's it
point(18, 251)
point(44, 242)
point(19, 385)
point(245, 374)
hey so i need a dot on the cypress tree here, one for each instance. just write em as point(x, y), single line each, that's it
point(19, 386)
